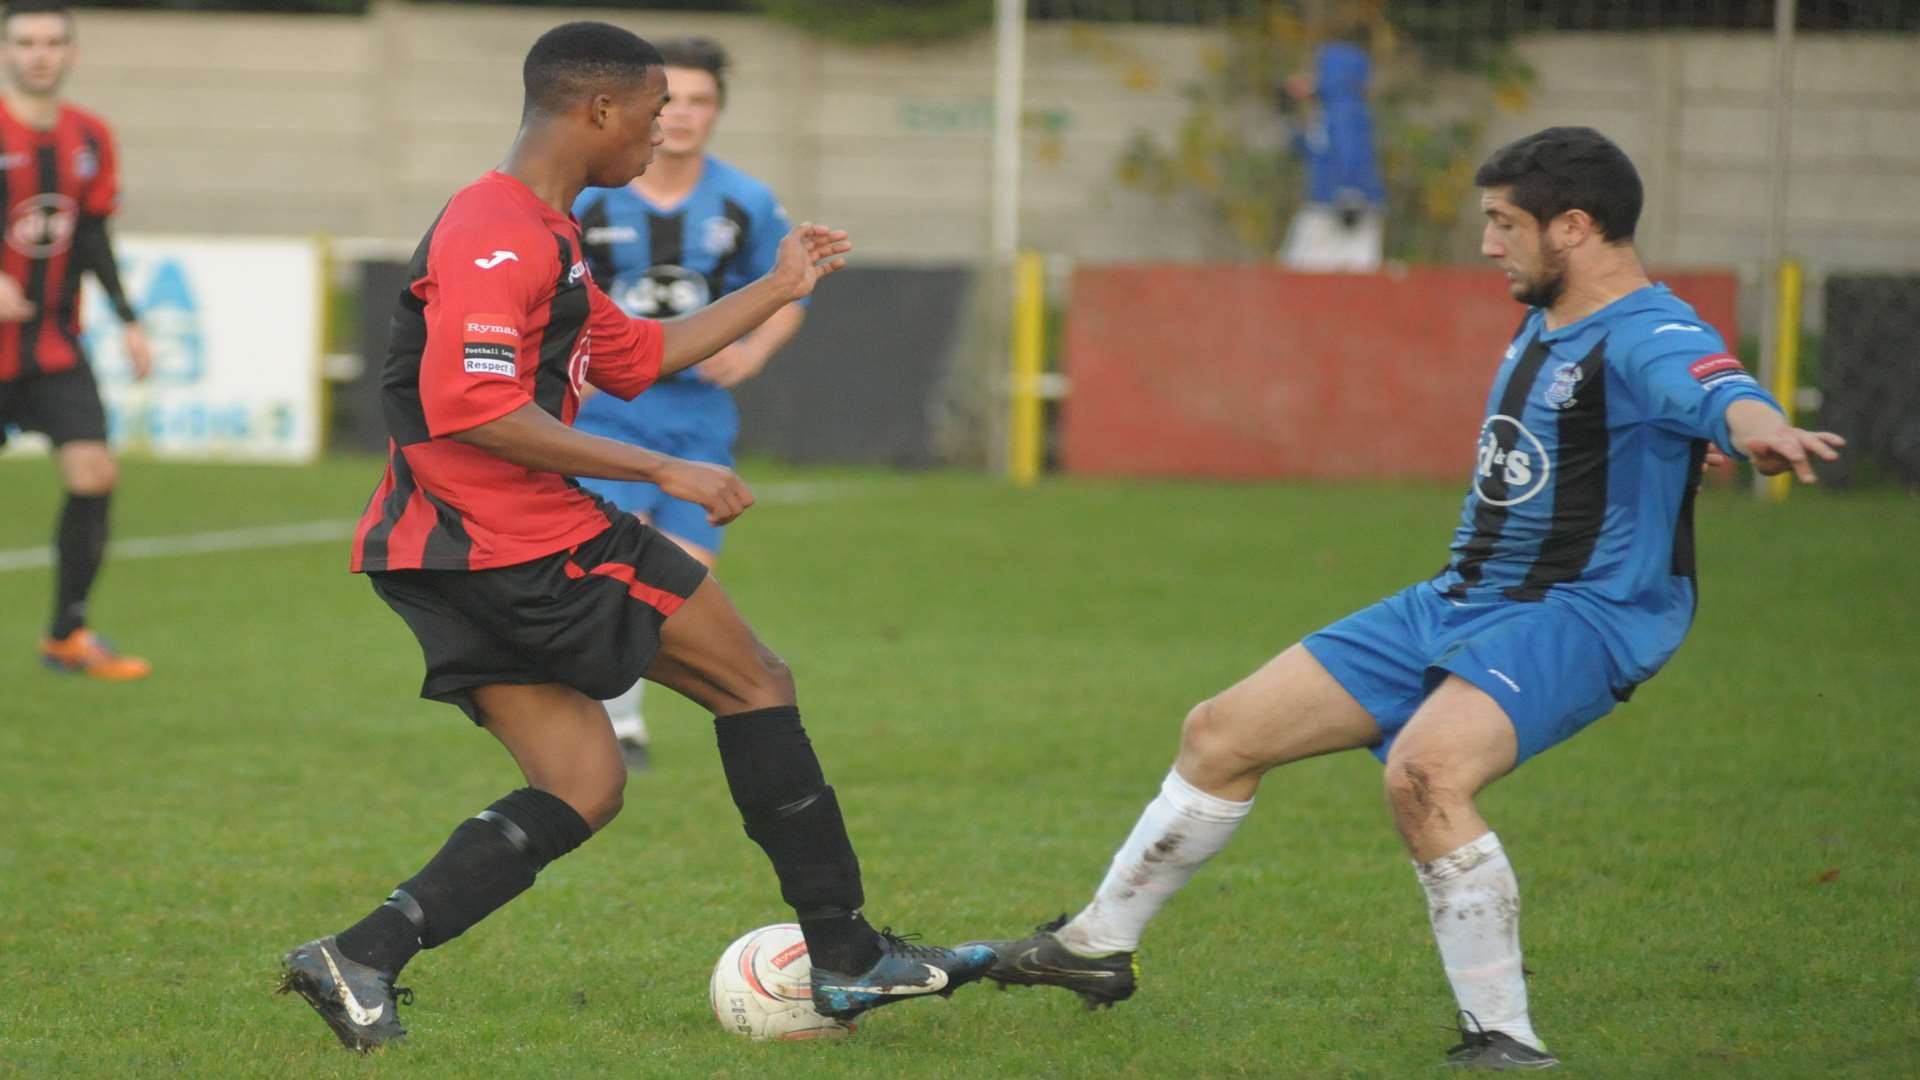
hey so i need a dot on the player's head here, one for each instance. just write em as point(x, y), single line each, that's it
point(696, 92)
point(607, 86)
point(1552, 200)
point(38, 49)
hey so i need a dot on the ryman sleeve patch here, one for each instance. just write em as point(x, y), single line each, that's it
point(1718, 368)
point(490, 345)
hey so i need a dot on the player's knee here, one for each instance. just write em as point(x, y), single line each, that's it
point(1209, 738)
point(598, 797)
point(95, 474)
point(1418, 790)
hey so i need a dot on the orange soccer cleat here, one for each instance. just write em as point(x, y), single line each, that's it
point(85, 653)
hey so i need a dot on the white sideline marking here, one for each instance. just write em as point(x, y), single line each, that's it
point(313, 532)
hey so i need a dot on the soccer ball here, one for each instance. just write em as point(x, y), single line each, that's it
point(762, 988)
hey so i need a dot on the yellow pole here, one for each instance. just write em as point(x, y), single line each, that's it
point(1024, 434)
point(1786, 368)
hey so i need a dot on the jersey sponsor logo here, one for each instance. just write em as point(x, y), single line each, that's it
point(496, 259)
point(661, 292)
point(1511, 452)
point(612, 234)
point(1686, 327)
point(720, 235)
point(1718, 368)
point(42, 226)
point(490, 345)
point(1566, 379)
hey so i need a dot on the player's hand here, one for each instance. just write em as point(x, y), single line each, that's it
point(14, 305)
point(732, 365)
point(807, 254)
point(724, 495)
point(139, 350)
point(1786, 448)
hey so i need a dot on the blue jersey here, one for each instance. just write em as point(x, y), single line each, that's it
point(1583, 484)
point(659, 262)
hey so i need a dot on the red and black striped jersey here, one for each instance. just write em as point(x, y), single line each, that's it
point(49, 180)
point(500, 312)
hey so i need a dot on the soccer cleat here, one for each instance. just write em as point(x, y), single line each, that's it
point(84, 652)
point(1044, 960)
point(904, 971)
point(634, 752)
point(358, 1002)
point(1496, 1050)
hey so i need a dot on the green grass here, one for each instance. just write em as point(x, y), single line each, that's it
point(1720, 878)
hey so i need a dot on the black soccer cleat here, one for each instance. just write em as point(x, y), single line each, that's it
point(904, 971)
point(358, 1002)
point(1494, 1050)
point(1044, 960)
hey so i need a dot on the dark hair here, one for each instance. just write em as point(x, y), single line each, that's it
point(700, 53)
point(577, 58)
point(1568, 168)
point(36, 7)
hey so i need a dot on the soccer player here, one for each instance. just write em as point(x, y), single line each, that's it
point(59, 185)
point(688, 230)
point(1571, 582)
point(532, 599)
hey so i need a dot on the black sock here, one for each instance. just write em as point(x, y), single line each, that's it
point(490, 859)
point(79, 544)
point(793, 815)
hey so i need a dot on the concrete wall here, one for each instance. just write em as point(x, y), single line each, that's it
point(1694, 112)
point(363, 127)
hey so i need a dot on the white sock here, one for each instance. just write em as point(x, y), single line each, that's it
point(1474, 903)
point(624, 711)
point(1180, 829)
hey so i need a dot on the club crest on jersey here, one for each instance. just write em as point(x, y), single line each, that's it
point(86, 163)
point(720, 235)
point(1566, 379)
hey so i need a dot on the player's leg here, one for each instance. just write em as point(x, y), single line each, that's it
point(1525, 681)
point(1288, 710)
point(686, 525)
point(708, 653)
point(561, 740)
point(67, 407)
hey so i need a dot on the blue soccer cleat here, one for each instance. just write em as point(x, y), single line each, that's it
point(904, 971)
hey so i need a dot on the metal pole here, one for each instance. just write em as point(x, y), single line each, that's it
point(1009, 67)
point(1785, 13)
point(1009, 62)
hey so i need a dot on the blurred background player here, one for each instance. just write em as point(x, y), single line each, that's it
point(688, 231)
point(58, 184)
point(1340, 227)
point(1571, 582)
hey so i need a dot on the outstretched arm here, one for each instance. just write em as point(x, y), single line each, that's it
point(809, 253)
point(1775, 445)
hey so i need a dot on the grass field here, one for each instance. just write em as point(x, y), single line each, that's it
point(1720, 879)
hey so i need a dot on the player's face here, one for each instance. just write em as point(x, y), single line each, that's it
point(38, 52)
point(693, 105)
point(632, 131)
point(1518, 245)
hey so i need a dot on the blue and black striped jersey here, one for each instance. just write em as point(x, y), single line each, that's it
point(1586, 467)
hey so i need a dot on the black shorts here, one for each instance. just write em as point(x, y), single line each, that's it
point(588, 617)
point(64, 405)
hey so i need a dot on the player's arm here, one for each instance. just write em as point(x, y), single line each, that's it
point(1687, 383)
point(93, 247)
point(807, 254)
point(93, 250)
point(530, 437)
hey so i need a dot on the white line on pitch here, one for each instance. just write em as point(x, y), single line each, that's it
point(311, 532)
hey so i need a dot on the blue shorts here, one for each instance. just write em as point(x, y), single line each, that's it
point(1546, 666)
point(680, 416)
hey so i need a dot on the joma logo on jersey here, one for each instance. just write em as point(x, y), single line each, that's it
point(1512, 464)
